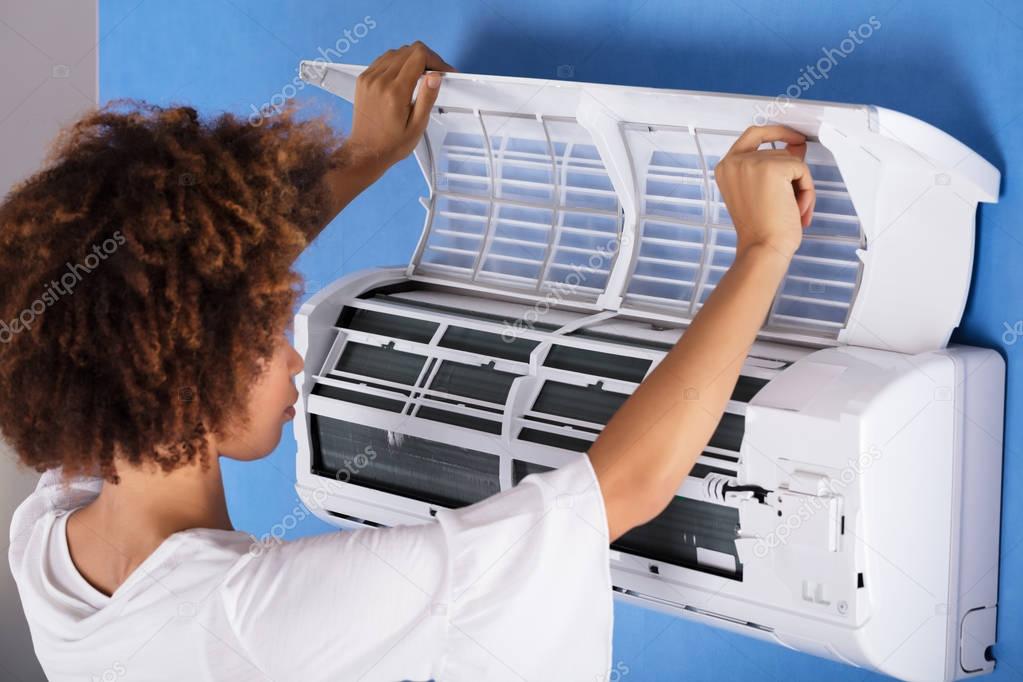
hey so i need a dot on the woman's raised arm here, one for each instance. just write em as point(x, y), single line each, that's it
point(386, 125)
point(647, 449)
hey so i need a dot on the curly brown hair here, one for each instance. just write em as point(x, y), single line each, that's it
point(145, 274)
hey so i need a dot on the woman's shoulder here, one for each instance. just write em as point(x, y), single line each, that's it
point(55, 494)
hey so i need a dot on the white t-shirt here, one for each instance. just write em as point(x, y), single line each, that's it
point(516, 587)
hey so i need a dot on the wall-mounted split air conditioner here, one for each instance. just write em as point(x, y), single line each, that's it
point(572, 231)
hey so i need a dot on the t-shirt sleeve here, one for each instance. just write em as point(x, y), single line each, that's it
point(515, 587)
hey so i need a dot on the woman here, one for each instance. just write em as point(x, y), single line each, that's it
point(147, 292)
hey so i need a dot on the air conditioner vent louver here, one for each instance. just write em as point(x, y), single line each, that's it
point(488, 344)
point(521, 469)
point(359, 398)
point(584, 403)
point(701, 470)
point(384, 324)
point(686, 534)
point(554, 440)
point(482, 383)
point(381, 362)
point(391, 300)
point(458, 418)
point(728, 435)
point(747, 387)
point(426, 470)
point(593, 362)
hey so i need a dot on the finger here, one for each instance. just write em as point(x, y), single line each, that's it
point(782, 154)
point(435, 62)
point(806, 194)
point(420, 115)
point(754, 136)
point(797, 150)
point(419, 59)
point(798, 174)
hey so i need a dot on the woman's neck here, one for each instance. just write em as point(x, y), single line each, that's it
point(113, 534)
point(188, 497)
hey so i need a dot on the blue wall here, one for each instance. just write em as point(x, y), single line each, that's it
point(958, 65)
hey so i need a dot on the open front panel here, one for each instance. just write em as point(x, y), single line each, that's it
point(686, 239)
point(605, 196)
point(519, 202)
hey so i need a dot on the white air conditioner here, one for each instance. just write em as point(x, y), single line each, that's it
point(848, 504)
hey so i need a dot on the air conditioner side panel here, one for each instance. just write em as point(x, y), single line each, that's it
point(981, 390)
point(909, 488)
point(878, 427)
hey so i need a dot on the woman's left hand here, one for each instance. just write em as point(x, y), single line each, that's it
point(386, 125)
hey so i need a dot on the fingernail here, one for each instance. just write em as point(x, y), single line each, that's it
point(433, 80)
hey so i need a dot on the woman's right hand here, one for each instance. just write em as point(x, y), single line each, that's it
point(769, 193)
point(386, 125)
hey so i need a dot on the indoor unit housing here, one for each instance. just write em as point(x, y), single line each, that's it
point(572, 232)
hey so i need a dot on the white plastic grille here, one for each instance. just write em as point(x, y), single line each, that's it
point(527, 203)
point(687, 240)
point(520, 202)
